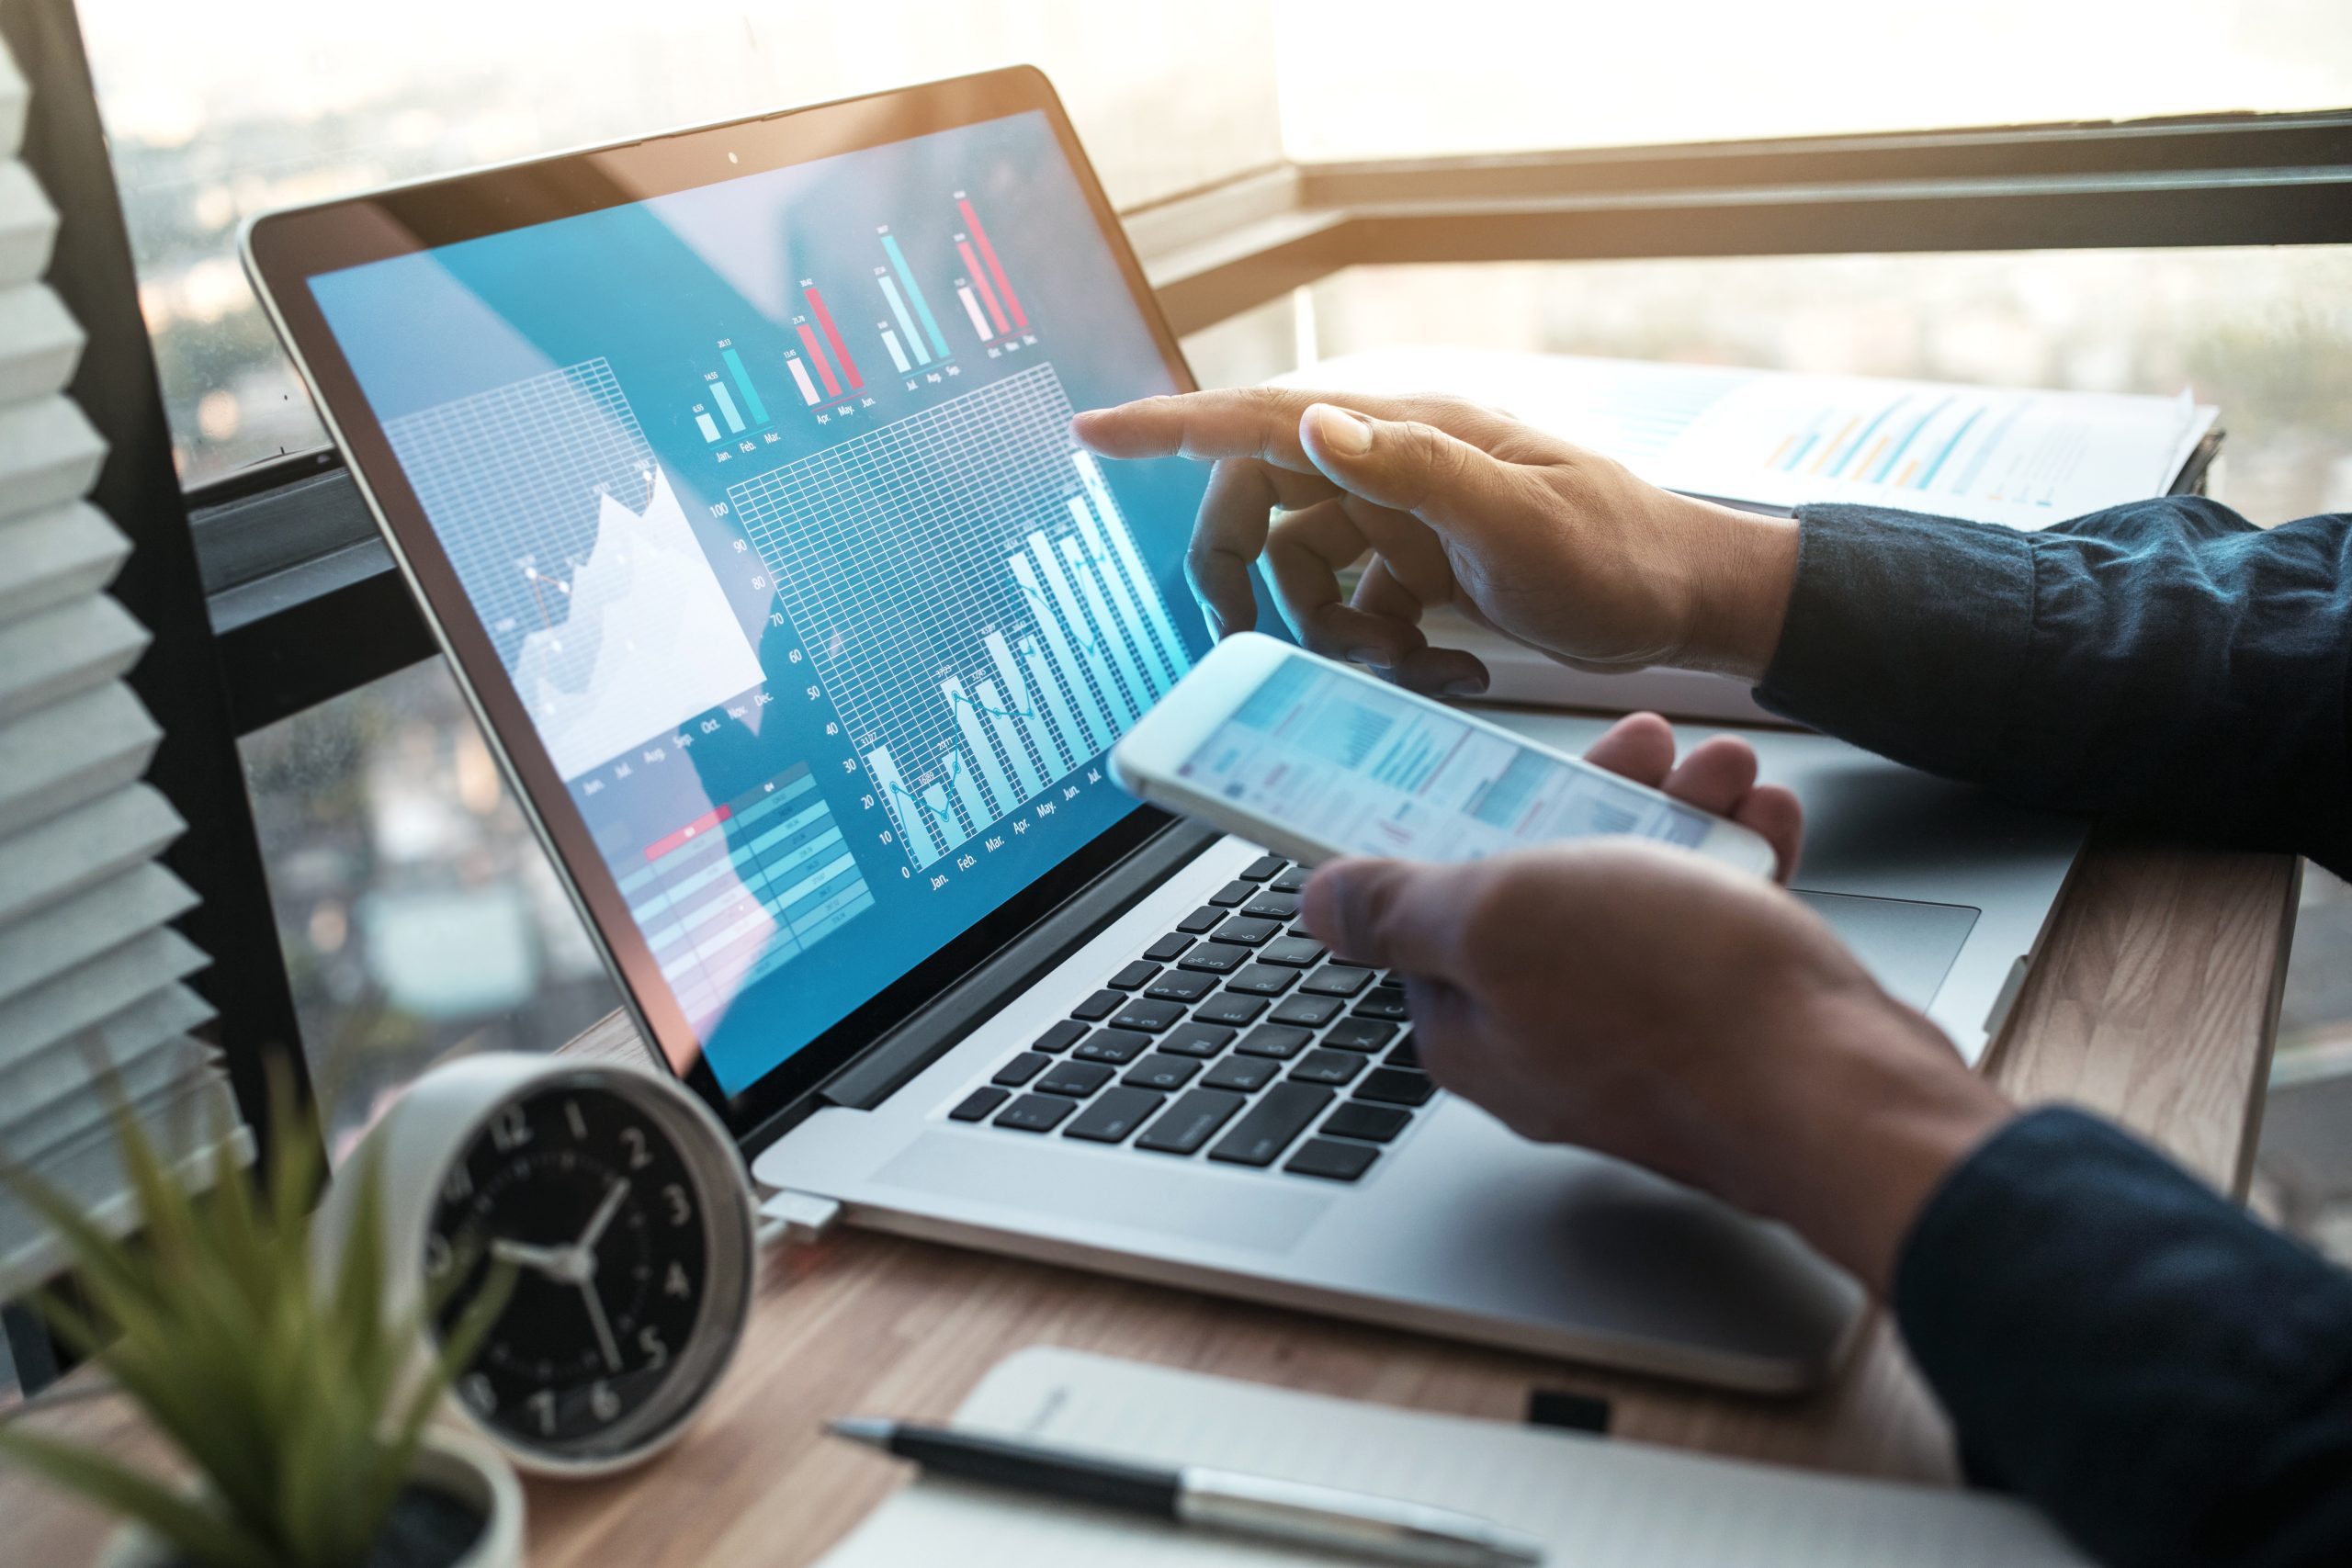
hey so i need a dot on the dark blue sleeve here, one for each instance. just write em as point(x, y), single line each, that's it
point(2165, 660)
point(2167, 1379)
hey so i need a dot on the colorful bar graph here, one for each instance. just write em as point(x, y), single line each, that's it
point(1116, 709)
point(987, 295)
point(972, 309)
point(727, 407)
point(709, 426)
point(988, 254)
point(1140, 691)
point(1936, 463)
point(1092, 696)
point(914, 292)
point(1123, 545)
point(897, 354)
point(1059, 757)
point(800, 378)
point(1887, 464)
point(817, 357)
point(1000, 797)
point(898, 310)
point(1008, 738)
point(752, 399)
point(832, 337)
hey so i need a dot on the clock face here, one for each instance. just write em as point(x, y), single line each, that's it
point(591, 1204)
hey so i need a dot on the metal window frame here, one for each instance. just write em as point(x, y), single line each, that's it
point(306, 605)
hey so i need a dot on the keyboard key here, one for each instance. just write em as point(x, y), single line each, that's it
point(1331, 1159)
point(1280, 1115)
point(1117, 1046)
point(1264, 980)
point(1337, 980)
point(1308, 1012)
point(1233, 1008)
point(1021, 1069)
point(1152, 1016)
point(1184, 1126)
point(1244, 1074)
point(1060, 1037)
point(1196, 1039)
point(1076, 1079)
point(1242, 930)
point(1359, 1034)
point(1036, 1112)
point(1272, 907)
point(1274, 1040)
point(1214, 958)
point(1200, 921)
point(1373, 1123)
point(1395, 1086)
point(1160, 1070)
point(1407, 1055)
point(1382, 1003)
point(1110, 1119)
point(1262, 868)
point(1293, 952)
point(1133, 977)
point(1182, 986)
point(1098, 1007)
point(1231, 894)
point(1168, 949)
point(1322, 1066)
point(980, 1101)
point(1290, 880)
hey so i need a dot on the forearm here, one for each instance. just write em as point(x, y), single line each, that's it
point(2164, 661)
point(2167, 1379)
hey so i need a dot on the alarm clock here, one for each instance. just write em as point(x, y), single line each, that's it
point(616, 1203)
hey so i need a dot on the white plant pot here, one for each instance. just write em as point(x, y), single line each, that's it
point(451, 1463)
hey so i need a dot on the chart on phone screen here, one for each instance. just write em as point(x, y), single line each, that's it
point(968, 591)
point(569, 541)
point(1375, 772)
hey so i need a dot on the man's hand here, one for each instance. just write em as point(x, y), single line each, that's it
point(1655, 1004)
point(1558, 547)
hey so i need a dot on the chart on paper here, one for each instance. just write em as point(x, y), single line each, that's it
point(569, 541)
point(970, 595)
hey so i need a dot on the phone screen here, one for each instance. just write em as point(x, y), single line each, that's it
point(1372, 770)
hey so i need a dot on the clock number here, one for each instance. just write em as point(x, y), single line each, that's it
point(476, 1391)
point(681, 1210)
point(437, 1255)
point(657, 1355)
point(542, 1404)
point(638, 1158)
point(674, 1283)
point(511, 1131)
point(603, 1403)
point(577, 1123)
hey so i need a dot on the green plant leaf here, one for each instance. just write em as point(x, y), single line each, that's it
point(190, 1528)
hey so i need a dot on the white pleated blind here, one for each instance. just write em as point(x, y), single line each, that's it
point(91, 972)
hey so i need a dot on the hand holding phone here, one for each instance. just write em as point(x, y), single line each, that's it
point(1314, 759)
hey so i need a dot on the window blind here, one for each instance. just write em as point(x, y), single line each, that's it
point(92, 975)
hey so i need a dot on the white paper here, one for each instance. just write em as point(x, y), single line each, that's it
point(1592, 1501)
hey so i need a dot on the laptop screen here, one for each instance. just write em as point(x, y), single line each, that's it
point(764, 493)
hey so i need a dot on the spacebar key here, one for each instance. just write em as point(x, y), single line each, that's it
point(1280, 1115)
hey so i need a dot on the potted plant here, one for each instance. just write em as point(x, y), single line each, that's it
point(299, 1406)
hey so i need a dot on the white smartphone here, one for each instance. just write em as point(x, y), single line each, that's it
point(1312, 760)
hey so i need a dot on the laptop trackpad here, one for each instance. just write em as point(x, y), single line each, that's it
point(1906, 945)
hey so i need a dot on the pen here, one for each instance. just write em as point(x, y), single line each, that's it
point(1216, 1499)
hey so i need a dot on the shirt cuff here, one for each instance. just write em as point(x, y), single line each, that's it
point(1906, 634)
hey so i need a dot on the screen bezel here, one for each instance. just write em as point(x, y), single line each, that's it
point(283, 250)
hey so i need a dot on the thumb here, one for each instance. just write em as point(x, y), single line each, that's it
point(1410, 466)
point(1390, 914)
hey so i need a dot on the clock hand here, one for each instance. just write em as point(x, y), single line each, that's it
point(550, 1260)
point(604, 1215)
point(604, 1329)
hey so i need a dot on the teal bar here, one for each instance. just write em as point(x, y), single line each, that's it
point(727, 407)
point(744, 379)
point(914, 292)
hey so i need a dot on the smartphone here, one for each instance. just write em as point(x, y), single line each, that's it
point(1313, 759)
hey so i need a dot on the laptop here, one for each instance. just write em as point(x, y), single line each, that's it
point(732, 467)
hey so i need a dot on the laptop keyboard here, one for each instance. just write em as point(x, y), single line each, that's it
point(1236, 1038)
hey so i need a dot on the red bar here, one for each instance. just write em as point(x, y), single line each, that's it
point(687, 834)
point(841, 349)
point(987, 295)
point(817, 356)
point(1003, 284)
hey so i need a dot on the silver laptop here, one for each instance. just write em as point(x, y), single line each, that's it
point(732, 468)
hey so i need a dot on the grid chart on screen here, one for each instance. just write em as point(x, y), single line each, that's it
point(968, 591)
point(511, 479)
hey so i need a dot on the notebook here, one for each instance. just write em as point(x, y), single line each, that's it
point(1593, 1500)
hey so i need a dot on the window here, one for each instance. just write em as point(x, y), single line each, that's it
point(219, 111)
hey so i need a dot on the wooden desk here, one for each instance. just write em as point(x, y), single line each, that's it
point(2156, 1001)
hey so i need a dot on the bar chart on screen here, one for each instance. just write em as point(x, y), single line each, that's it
point(971, 597)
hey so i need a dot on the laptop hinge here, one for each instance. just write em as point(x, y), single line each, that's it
point(877, 1072)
